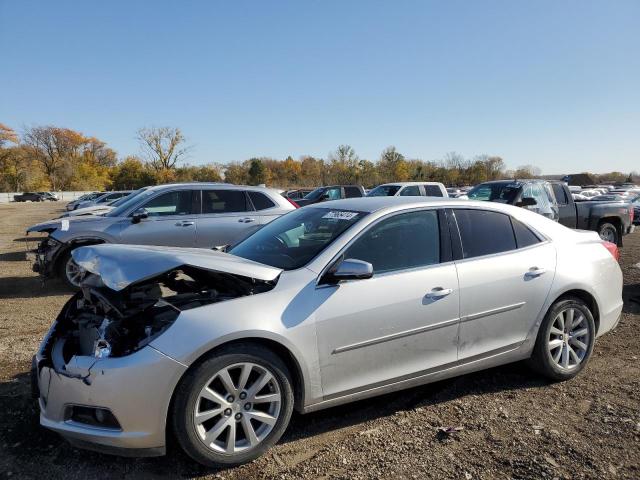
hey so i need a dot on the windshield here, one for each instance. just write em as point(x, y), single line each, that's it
point(495, 192)
point(315, 194)
point(384, 191)
point(293, 240)
point(128, 202)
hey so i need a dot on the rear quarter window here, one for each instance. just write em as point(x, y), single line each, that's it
point(261, 201)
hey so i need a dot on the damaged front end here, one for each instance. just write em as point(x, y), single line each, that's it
point(99, 322)
point(45, 255)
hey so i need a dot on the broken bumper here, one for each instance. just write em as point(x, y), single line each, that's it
point(44, 256)
point(135, 389)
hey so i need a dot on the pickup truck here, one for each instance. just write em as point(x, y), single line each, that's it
point(30, 197)
point(553, 199)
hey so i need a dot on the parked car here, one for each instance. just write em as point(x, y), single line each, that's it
point(52, 197)
point(298, 193)
point(611, 220)
point(332, 192)
point(30, 197)
point(409, 189)
point(329, 304)
point(105, 198)
point(87, 196)
point(186, 215)
point(102, 208)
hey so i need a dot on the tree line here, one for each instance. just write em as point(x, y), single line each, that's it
point(53, 158)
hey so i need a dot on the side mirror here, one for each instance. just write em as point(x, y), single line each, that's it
point(349, 269)
point(325, 196)
point(527, 202)
point(139, 215)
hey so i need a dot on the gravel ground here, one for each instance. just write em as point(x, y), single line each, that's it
point(501, 423)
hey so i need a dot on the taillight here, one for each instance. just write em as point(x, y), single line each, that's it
point(292, 202)
point(613, 249)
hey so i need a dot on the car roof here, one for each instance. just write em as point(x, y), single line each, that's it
point(226, 186)
point(404, 184)
point(374, 204)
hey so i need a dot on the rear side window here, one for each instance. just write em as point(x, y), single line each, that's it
point(406, 240)
point(560, 194)
point(223, 201)
point(524, 236)
point(432, 191)
point(483, 232)
point(260, 201)
point(352, 192)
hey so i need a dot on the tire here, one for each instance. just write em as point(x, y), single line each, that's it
point(231, 412)
point(608, 232)
point(64, 268)
point(552, 355)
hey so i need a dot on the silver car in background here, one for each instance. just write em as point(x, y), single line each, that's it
point(328, 304)
point(202, 215)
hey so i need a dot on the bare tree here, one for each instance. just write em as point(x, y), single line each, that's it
point(164, 146)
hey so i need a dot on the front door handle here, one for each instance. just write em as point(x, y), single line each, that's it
point(439, 292)
point(184, 223)
point(247, 220)
point(534, 272)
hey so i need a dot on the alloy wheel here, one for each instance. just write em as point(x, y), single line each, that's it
point(569, 338)
point(74, 272)
point(237, 408)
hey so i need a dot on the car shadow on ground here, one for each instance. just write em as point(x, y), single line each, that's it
point(19, 416)
point(631, 298)
point(13, 257)
point(31, 287)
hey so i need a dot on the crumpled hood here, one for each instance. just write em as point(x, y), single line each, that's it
point(121, 265)
point(93, 210)
point(62, 224)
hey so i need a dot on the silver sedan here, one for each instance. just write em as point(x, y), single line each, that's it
point(328, 304)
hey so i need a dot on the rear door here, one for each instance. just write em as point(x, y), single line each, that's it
point(505, 271)
point(227, 217)
point(566, 210)
point(171, 221)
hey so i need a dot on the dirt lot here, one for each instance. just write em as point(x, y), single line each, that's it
point(508, 422)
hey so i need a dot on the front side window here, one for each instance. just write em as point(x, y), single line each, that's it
point(410, 191)
point(293, 240)
point(170, 203)
point(495, 192)
point(384, 191)
point(483, 232)
point(406, 240)
point(334, 193)
point(223, 201)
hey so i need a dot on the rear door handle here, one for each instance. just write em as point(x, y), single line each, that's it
point(184, 223)
point(534, 272)
point(247, 220)
point(439, 292)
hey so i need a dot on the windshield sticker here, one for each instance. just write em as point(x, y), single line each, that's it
point(64, 225)
point(339, 215)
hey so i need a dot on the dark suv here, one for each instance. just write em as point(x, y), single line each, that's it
point(332, 192)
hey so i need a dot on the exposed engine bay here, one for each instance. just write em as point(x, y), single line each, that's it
point(99, 322)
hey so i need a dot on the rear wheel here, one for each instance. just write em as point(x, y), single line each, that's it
point(234, 406)
point(608, 232)
point(565, 340)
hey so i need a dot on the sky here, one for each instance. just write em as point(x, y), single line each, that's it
point(554, 84)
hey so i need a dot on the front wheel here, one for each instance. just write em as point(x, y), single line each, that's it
point(234, 406)
point(565, 340)
point(70, 271)
point(608, 232)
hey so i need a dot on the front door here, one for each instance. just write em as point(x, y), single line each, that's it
point(397, 324)
point(171, 221)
